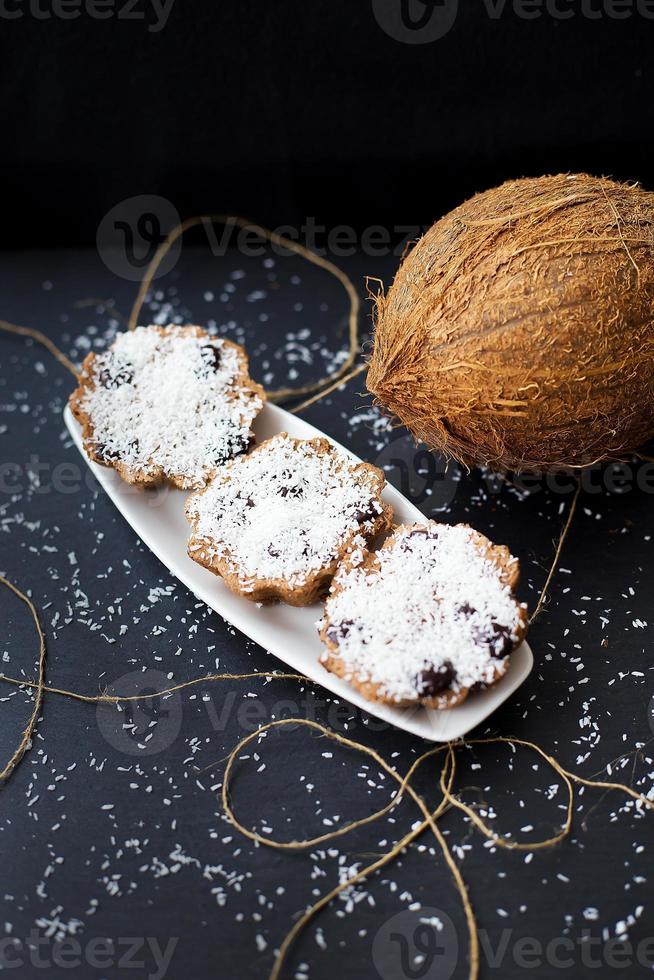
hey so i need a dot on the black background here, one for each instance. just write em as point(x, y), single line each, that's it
point(285, 112)
point(280, 111)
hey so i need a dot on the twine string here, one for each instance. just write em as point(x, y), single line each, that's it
point(328, 390)
point(334, 378)
point(557, 554)
point(281, 394)
point(104, 698)
point(38, 685)
point(40, 338)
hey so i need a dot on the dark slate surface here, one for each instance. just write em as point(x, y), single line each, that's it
point(101, 839)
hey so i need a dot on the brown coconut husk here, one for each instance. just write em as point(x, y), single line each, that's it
point(519, 331)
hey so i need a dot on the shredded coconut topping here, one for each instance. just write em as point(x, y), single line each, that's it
point(170, 401)
point(286, 511)
point(429, 615)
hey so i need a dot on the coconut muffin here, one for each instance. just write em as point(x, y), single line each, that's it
point(167, 404)
point(276, 524)
point(426, 619)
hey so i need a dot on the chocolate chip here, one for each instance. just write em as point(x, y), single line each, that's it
point(105, 454)
point(364, 515)
point(500, 643)
point(237, 443)
point(290, 491)
point(306, 546)
point(338, 632)
point(115, 377)
point(498, 640)
point(211, 356)
point(466, 610)
point(418, 532)
point(273, 552)
point(434, 680)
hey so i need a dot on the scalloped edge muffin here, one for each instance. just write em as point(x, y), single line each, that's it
point(276, 524)
point(426, 619)
point(166, 405)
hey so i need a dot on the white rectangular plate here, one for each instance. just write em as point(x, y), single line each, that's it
point(288, 632)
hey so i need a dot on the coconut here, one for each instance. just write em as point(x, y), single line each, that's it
point(519, 331)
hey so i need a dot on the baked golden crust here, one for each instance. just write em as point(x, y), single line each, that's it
point(304, 589)
point(509, 571)
point(154, 475)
